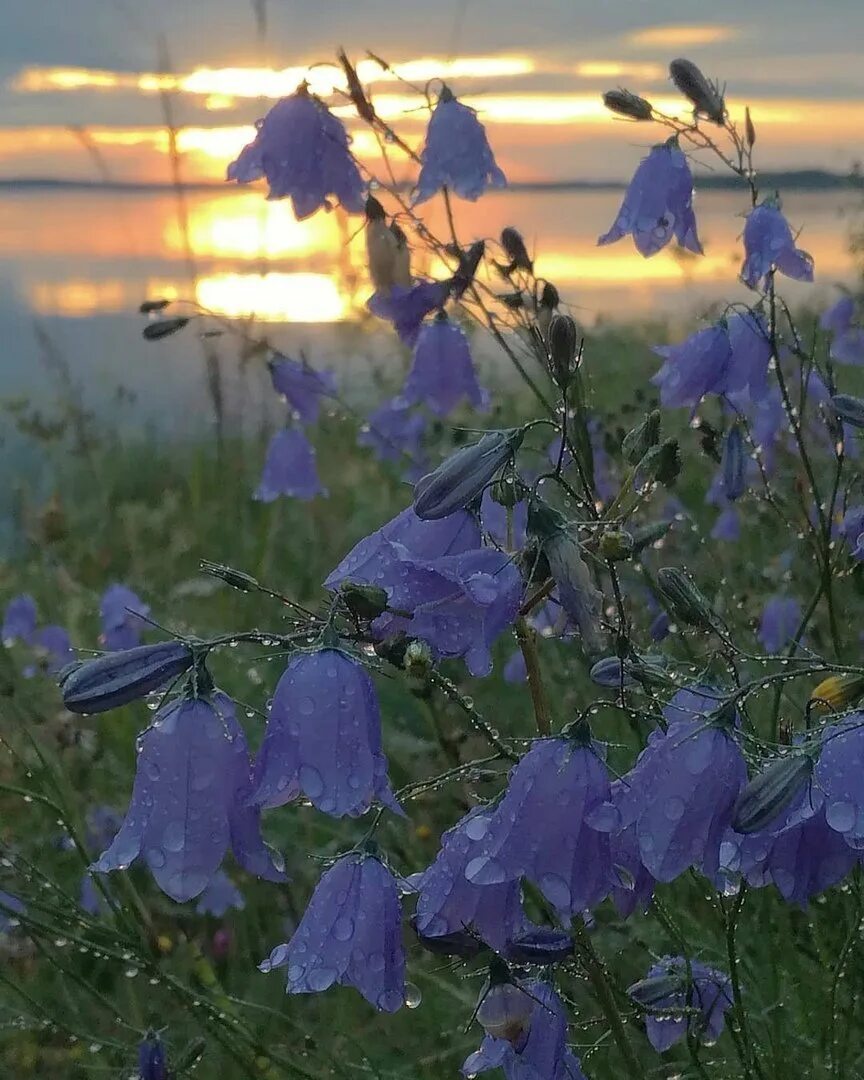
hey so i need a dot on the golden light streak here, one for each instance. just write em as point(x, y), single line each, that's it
point(77, 298)
point(614, 69)
point(675, 36)
point(274, 297)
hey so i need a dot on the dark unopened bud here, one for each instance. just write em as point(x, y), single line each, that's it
point(393, 649)
point(515, 301)
point(237, 579)
point(705, 96)
point(734, 464)
point(563, 341)
point(461, 477)
point(771, 792)
point(541, 946)
point(626, 104)
point(118, 678)
point(507, 491)
point(647, 535)
point(364, 601)
point(611, 672)
point(616, 544)
point(517, 253)
point(662, 463)
point(638, 442)
point(684, 599)
point(163, 328)
point(749, 128)
point(849, 409)
point(150, 306)
point(468, 262)
point(655, 990)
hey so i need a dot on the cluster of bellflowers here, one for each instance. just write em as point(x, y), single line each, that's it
point(523, 534)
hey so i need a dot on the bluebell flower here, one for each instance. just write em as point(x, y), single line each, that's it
point(780, 619)
point(407, 306)
point(189, 801)
point(447, 902)
point(750, 346)
point(289, 468)
point(658, 204)
point(152, 1059)
point(442, 371)
point(121, 612)
point(540, 829)
point(456, 153)
point(632, 885)
point(350, 935)
point(526, 1035)
point(302, 386)
point(842, 321)
point(19, 620)
point(839, 778)
point(696, 367)
point(302, 150)
point(769, 245)
point(666, 989)
point(681, 792)
point(323, 738)
point(53, 648)
point(395, 432)
point(220, 896)
point(515, 670)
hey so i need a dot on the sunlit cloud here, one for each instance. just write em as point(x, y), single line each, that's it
point(682, 36)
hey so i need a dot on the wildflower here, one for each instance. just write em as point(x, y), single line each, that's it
point(461, 477)
point(526, 1034)
point(220, 896)
point(667, 989)
point(658, 204)
point(152, 1059)
point(456, 153)
point(289, 468)
point(394, 432)
point(696, 367)
point(780, 618)
point(838, 778)
point(350, 935)
point(750, 355)
point(118, 678)
point(302, 150)
point(769, 245)
point(407, 306)
point(442, 372)
point(188, 804)
point(19, 620)
point(632, 885)
point(705, 96)
point(681, 792)
point(301, 385)
point(122, 613)
point(448, 902)
point(53, 648)
point(626, 104)
point(842, 322)
point(540, 829)
point(323, 738)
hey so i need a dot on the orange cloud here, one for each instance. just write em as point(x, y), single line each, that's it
point(682, 36)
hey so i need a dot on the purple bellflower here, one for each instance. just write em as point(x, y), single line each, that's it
point(350, 935)
point(780, 618)
point(302, 386)
point(769, 245)
point(665, 990)
point(302, 150)
point(289, 468)
point(152, 1059)
point(839, 778)
point(442, 373)
point(540, 829)
point(395, 432)
point(526, 1035)
point(19, 620)
point(842, 322)
point(220, 896)
point(632, 884)
point(323, 738)
point(658, 204)
point(456, 153)
point(407, 306)
point(53, 650)
point(120, 611)
point(192, 783)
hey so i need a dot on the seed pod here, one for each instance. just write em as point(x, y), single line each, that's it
point(749, 128)
point(563, 338)
point(616, 544)
point(627, 104)
point(364, 601)
point(734, 464)
point(150, 306)
point(541, 946)
point(639, 441)
point(686, 602)
point(771, 792)
point(849, 409)
point(387, 253)
point(546, 309)
point(118, 678)
point(705, 96)
point(163, 328)
point(836, 692)
point(655, 990)
point(461, 477)
point(514, 245)
point(611, 672)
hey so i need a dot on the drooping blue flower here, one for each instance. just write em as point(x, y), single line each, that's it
point(289, 468)
point(780, 618)
point(658, 204)
point(323, 738)
point(19, 620)
point(189, 801)
point(632, 884)
point(302, 150)
point(750, 345)
point(456, 153)
point(531, 1043)
point(682, 789)
point(122, 613)
point(442, 372)
point(839, 778)
point(350, 935)
point(220, 896)
point(152, 1059)
point(301, 385)
point(728, 525)
point(407, 307)
point(769, 245)
point(540, 829)
point(842, 321)
point(395, 432)
point(667, 990)
point(448, 902)
point(53, 648)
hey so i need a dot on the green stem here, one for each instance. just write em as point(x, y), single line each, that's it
point(528, 644)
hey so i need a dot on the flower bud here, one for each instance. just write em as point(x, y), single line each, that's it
point(849, 409)
point(749, 128)
point(563, 339)
point(546, 309)
point(118, 678)
point(149, 307)
point(363, 601)
point(611, 672)
point(237, 579)
point(541, 946)
point(656, 989)
point(461, 477)
point(770, 792)
point(705, 96)
point(686, 602)
point(507, 491)
point(638, 442)
point(163, 327)
point(514, 245)
point(734, 464)
point(836, 692)
point(418, 661)
point(616, 544)
point(662, 463)
point(627, 104)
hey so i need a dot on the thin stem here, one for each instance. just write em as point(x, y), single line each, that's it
point(528, 644)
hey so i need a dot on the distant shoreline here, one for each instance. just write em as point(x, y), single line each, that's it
point(793, 180)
